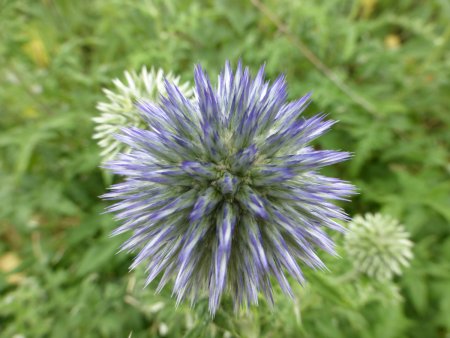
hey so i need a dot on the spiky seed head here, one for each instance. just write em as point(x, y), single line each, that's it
point(120, 108)
point(224, 192)
point(378, 245)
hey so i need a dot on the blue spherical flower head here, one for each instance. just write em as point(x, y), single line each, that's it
point(222, 192)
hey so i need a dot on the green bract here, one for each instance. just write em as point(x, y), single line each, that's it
point(120, 110)
point(378, 245)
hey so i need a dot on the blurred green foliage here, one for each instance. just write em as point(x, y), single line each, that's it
point(381, 67)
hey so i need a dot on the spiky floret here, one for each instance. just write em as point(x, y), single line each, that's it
point(223, 192)
point(378, 245)
point(120, 110)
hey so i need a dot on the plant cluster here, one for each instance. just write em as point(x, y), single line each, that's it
point(378, 67)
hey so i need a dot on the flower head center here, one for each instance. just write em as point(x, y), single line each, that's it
point(227, 184)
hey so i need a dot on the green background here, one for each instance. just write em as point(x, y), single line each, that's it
point(379, 67)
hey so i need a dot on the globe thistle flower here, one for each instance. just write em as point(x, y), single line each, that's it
point(378, 246)
point(120, 110)
point(223, 192)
